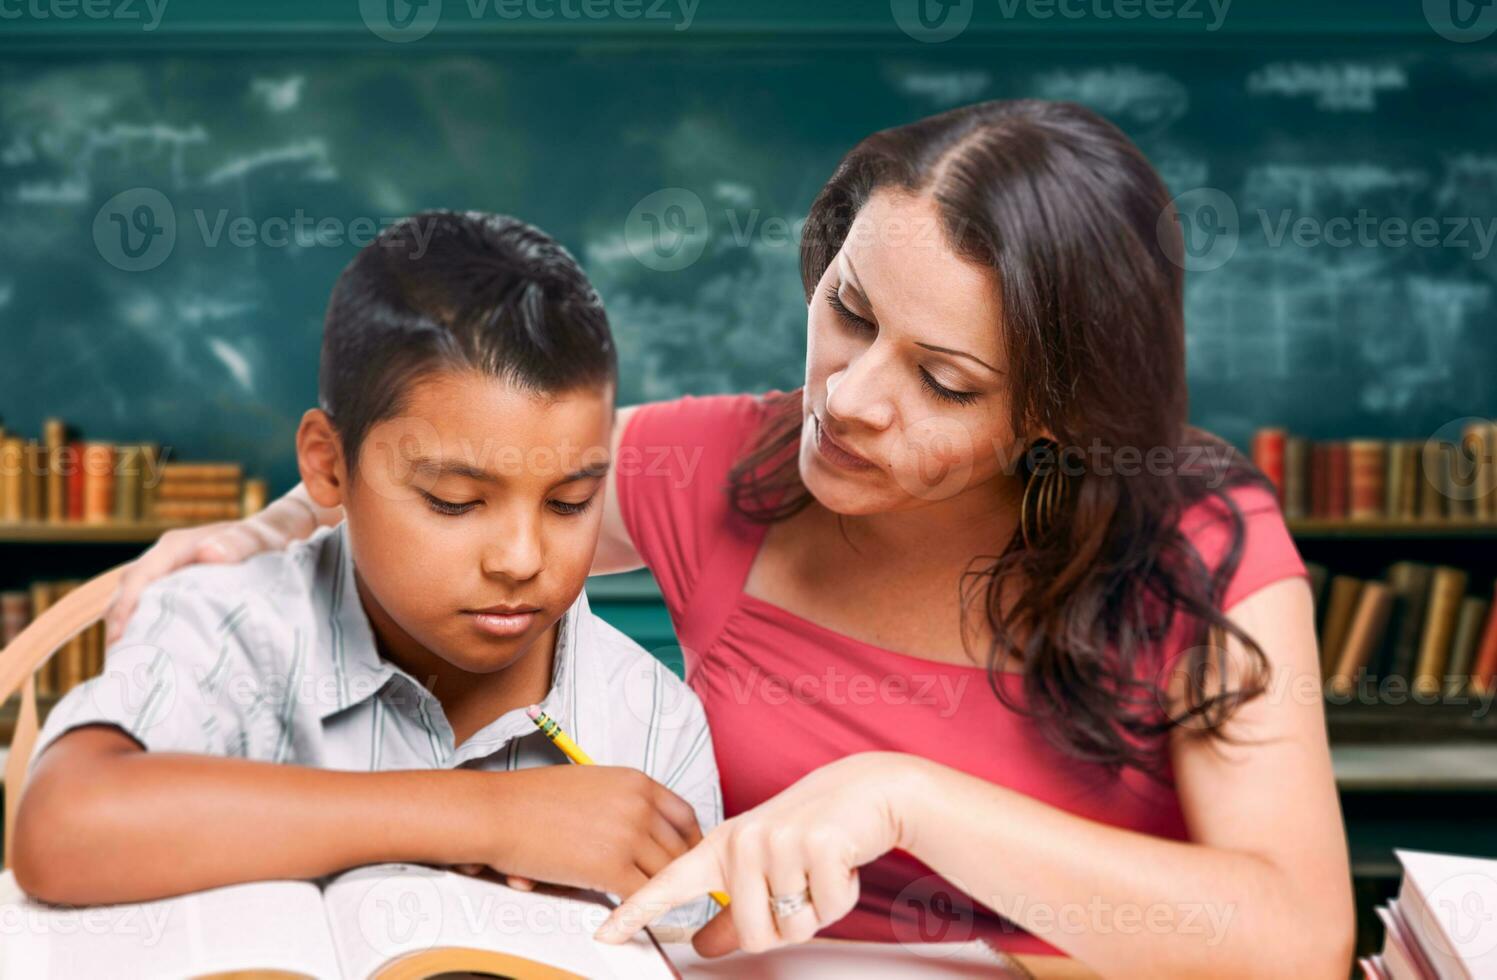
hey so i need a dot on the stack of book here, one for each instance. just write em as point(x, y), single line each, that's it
point(200, 492)
point(1416, 623)
point(61, 478)
point(1442, 925)
point(80, 659)
point(1380, 479)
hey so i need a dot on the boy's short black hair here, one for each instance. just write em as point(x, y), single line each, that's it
point(457, 290)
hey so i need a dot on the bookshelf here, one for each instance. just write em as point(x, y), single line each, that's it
point(72, 532)
point(1408, 775)
point(1434, 528)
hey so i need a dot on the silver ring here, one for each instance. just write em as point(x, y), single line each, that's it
point(784, 906)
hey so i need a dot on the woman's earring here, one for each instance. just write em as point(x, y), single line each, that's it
point(1045, 495)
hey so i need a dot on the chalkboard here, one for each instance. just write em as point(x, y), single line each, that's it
point(172, 218)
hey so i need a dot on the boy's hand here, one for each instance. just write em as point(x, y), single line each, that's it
point(605, 828)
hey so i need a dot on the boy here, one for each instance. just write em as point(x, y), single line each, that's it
point(466, 394)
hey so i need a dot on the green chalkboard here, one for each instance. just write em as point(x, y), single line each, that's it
point(175, 206)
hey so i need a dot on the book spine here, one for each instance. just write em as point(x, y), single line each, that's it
point(127, 484)
point(75, 482)
point(1415, 588)
point(98, 482)
point(1412, 479)
point(199, 490)
point(1338, 614)
point(1484, 672)
point(1445, 596)
point(197, 510)
point(1468, 624)
point(1296, 477)
point(255, 496)
point(1337, 480)
point(1362, 636)
point(1393, 479)
point(12, 470)
point(1432, 486)
point(34, 482)
point(150, 482)
point(1319, 480)
point(1268, 456)
point(201, 472)
point(41, 600)
point(1367, 461)
point(55, 436)
point(1476, 464)
point(15, 613)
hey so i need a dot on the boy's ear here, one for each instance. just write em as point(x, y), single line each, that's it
point(319, 456)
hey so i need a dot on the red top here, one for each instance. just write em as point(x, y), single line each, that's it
point(785, 696)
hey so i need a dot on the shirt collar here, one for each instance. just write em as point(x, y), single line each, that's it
point(359, 672)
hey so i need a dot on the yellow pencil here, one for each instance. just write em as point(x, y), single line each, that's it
point(573, 751)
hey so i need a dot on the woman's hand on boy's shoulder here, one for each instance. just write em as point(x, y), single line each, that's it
point(224, 542)
point(606, 828)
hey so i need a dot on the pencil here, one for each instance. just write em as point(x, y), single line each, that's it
point(573, 751)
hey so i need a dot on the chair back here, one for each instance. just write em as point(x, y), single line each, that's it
point(19, 662)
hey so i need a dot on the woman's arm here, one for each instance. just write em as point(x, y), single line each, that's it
point(616, 552)
point(102, 821)
point(1262, 889)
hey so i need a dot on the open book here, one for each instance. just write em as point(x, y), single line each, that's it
point(385, 921)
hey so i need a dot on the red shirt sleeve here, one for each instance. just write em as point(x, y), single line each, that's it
point(672, 476)
point(1268, 552)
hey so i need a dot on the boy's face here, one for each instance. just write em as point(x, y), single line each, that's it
point(473, 515)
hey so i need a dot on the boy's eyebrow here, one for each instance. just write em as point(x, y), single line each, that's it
point(451, 467)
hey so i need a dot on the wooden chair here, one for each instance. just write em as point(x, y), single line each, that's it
point(65, 619)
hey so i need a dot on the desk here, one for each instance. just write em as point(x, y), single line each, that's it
point(830, 959)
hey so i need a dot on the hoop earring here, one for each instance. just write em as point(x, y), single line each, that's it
point(1037, 517)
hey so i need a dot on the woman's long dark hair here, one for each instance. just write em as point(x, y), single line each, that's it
point(1081, 235)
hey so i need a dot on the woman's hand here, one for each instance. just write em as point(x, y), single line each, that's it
point(804, 845)
point(290, 518)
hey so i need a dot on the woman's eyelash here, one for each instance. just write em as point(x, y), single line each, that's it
point(835, 301)
point(446, 506)
point(931, 384)
point(941, 391)
point(565, 507)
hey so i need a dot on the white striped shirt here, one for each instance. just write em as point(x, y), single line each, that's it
point(273, 659)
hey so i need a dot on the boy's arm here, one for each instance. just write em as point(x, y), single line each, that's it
point(102, 820)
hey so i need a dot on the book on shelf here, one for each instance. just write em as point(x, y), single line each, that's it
point(1445, 594)
point(1364, 631)
point(380, 921)
point(1418, 623)
point(80, 658)
point(64, 479)
point(1441, 925)
point(1382, 479)
point(1340, 608)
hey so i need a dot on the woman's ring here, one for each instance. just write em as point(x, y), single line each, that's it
point(784, 906)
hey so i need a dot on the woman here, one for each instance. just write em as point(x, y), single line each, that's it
point(992, 644)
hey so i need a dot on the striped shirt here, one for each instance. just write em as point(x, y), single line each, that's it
point(273, 659)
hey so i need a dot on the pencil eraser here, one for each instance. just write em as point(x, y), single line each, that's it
point(534, 712)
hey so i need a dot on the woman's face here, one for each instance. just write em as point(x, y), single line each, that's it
point(906, 403)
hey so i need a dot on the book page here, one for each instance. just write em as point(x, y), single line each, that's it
point(275, 925)
point(384, 911)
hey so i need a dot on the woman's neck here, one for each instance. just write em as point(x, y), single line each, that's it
point(977, 521)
